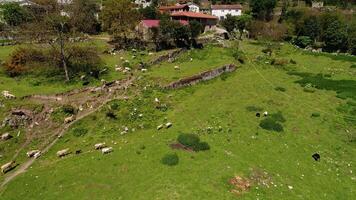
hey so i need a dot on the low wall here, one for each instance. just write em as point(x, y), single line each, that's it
point(170, 57)
point(207, 75)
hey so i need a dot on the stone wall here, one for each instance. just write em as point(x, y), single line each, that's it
point(170, 57)
point(207, 75)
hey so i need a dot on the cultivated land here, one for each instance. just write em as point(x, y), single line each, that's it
point(317, 103)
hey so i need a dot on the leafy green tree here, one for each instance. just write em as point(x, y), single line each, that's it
point(263, 9)
point(119, 18)
point(335, 37)
point(196, 29)
point(311, 28)
point(83, 16)
point(150, 12)
point(13, 14)
point(229, 23)
point(242, 23)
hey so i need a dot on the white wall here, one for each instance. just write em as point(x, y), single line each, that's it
point(193, 8)
point(221, 13)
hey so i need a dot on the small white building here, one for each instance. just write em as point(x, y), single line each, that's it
point(221, 11)
point(143, 3)
point(317, 4)
point(193, 7)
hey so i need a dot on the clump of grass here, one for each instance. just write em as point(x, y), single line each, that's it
point(253, 108)
point(309, 88)
point(293, 61)
point(110, 114)
point(279, 62)
point(281, 89)
point(193, 141)
point(170, 159)
point(353, 66)
point(68, 109)
point(315, 114)
point(273, 122)
point(79, 132)
point(114, 106)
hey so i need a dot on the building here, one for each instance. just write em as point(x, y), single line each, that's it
point(317, 4)
point(144, 28)
point(143, 3)
point(208, 21)
point(173, 9)
point(193, 7)
point(221, 11)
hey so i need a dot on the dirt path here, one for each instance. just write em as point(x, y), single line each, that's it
point(102, 95)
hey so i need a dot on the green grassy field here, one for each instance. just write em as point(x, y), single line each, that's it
point(317, 102)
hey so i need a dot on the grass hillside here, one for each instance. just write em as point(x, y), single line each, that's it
point(311, 98)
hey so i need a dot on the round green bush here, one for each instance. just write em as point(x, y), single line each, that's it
point(188, 140)
point(170, 159)
point(202, 146)
point(271, 125)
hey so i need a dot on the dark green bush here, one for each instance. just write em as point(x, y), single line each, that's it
point(281, 89)
point(271, 125)
point(315, 114)
point(353, 66)
point(114, 106)
point(79, 132)
point(110, 114)
point(302, 41)
point(278, 117)
point(69, 109)
point(170, 159)
point(193, 141)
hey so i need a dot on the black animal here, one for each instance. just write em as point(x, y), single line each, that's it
point(78, 151)
point(258, 115)
point(86, 83)
point(316, 156)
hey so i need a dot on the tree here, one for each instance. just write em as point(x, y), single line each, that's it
point(229, 23)
point(242, 23)
point(335, 37)
point(311, 28)
point(119, 18)
point(263, 9)
point(196, 29)
point(83, 16)
point(150, 12)
point(13, 14)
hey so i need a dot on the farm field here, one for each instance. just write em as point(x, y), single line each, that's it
point(311, 97)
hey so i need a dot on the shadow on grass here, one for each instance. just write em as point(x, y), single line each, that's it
point(332, 56)
point(344, 88)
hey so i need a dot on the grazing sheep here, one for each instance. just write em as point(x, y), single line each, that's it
point(160, 127)
point(78, 151)
point(6, 136)
point(258, 115)
point(169, 124)
point(157, 100)
point(150, 53)
point(100, 146)
point(69, 119)
point(265, 114)
point(7, 167)
point(8, 95)
point(106, 150)
point(316, 156)
point(143, 70)
point(63, 153)
point(32, 153)
point(38, 154)
point(118, 69)
point(176, 67)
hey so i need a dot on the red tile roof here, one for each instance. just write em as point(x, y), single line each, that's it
point(150, 23)
point(176, 7)
point(224, 7)
point(193, 15)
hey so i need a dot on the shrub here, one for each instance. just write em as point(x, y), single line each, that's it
point(23, 60)
point(110, 114)
point(271, 125)
point(193, 141)
point(293, 61)
point(170, 159)
point(69, 109)
point(114, 106)
point(302, 41)
point(315, 114)
point(79, 132)
point(353, 66)
point(281, 89)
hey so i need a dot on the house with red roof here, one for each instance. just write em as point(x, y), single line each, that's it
point(173, 9)
point(208, 21)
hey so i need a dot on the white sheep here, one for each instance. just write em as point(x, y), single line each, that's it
point(100, 145)
point(106, 150)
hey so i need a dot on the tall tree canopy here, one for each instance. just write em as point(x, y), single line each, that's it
point(84, 16)
point(263, 9)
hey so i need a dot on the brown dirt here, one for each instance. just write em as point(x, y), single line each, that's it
point(180, 146)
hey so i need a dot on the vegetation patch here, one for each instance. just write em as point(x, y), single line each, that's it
point(280, 89)
point(79, 132)
point(273, 122)
point(315, 114)
point(171, 159)
point(192, 141)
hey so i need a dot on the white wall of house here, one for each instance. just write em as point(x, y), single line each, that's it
point(221, 13)
point(193, 8)
point(143, 3)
